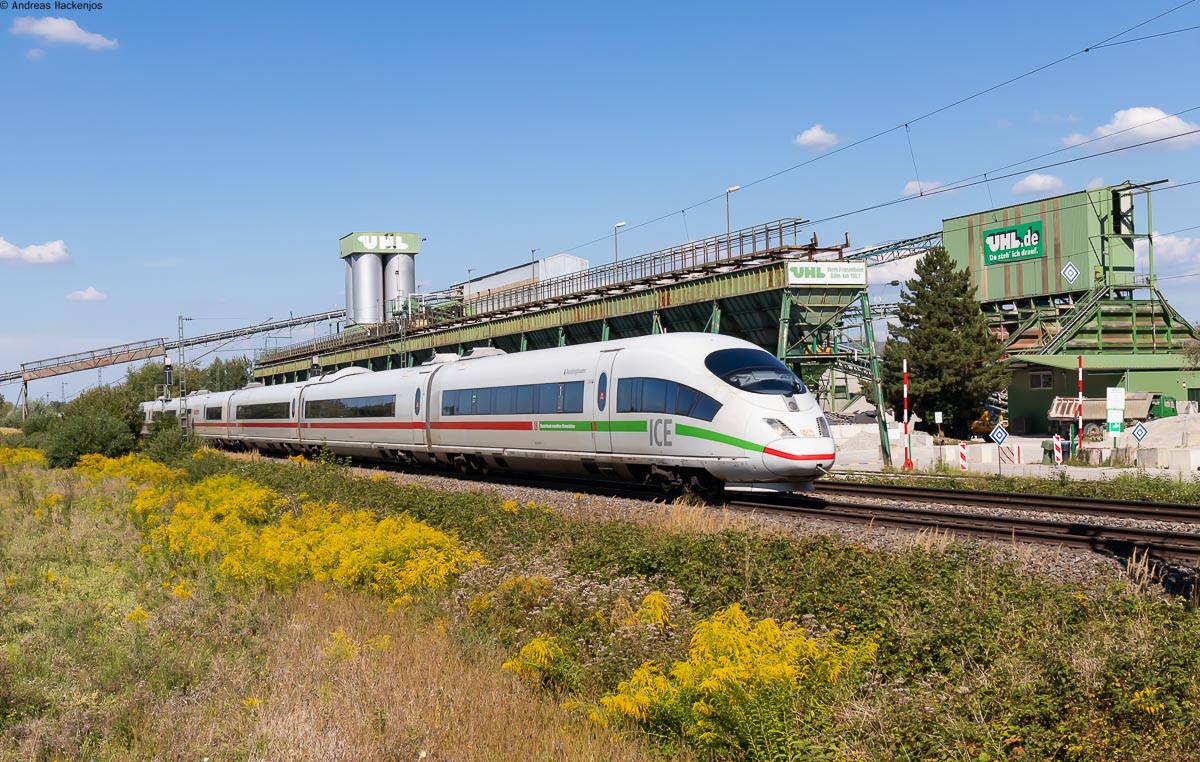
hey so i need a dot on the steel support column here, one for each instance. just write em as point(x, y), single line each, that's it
point(656, 326)
point(524, 342)
point(604, 330)
point(785, 325)
point(562, 336)
point(869, 334)
point(714, 319)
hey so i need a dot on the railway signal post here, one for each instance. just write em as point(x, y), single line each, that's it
point(908, 464)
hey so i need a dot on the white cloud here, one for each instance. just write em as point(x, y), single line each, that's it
point(1038, 183)
point(1137, 125)
point(35, 54)
point(1170, 253)
point(898, 269)
point(89, 294)
point(47, 253)
point(1095, 182)
point(914, 187)
point(817, 138)
point(53, 30)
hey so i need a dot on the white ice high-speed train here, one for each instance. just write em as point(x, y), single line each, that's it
point(689, 409)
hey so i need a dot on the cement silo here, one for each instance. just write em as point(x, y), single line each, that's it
point(349, 290)
point(368, 288)
point(399, 280)
point(381, 270)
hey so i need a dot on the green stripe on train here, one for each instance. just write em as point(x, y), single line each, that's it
point(682, 429)
point(627, 426)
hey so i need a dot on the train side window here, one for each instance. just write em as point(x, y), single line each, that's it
point(601, 391)
point(629, 395)
point(526, 399)
point(263, 411)
point(483, 402)
point(654, 396)
point(685, 400)
point(212, 413)
point(504, 400)
point(417, 403)
point(449, 402)
point(705, 408)
point(547, 398)
point(572, 397)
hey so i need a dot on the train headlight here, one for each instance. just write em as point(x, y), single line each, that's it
point(779, 427)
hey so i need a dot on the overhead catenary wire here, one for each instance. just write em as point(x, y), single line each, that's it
point(951, 188)
point(1094, 46)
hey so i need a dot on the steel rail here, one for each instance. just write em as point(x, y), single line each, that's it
point(1160, 545)
point(1090, 506)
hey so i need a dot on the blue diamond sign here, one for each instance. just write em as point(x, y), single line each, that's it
point(1070, 272)
point(1140, 432)
point(999, 434)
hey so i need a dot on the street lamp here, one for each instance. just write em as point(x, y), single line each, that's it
point(728, 190)
point(467, 287)
point(618, 225)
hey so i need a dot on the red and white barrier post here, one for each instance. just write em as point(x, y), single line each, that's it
point(908, 464)
point(962, 456)
point(1057, 450)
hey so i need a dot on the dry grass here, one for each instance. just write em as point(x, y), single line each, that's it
point(932, 540)
point(392, 686)
point(7, 430)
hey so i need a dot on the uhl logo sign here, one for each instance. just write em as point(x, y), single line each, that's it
point(799, 271)
point(382, 242)
point(1006, 240)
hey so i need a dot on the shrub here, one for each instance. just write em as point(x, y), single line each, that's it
point(167, 444)
point(91, 433)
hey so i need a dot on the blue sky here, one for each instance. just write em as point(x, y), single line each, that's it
point(204, 159)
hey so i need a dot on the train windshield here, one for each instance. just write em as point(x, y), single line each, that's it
point(754, 370)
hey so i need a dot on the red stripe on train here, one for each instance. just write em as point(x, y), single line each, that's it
point(790, 456)
point(366, 425)
point(485, 425)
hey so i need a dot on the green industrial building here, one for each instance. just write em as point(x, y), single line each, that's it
point(1057, 281)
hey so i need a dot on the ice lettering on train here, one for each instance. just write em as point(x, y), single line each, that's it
point(661, 430)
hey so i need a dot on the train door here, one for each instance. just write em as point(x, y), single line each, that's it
point(604, 400)
point(422, 403)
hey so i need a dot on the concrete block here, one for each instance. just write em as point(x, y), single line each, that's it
point(982, 455)
point(1183, 461)
point(1151, 457)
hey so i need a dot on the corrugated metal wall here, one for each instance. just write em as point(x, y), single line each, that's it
point(1076, 228)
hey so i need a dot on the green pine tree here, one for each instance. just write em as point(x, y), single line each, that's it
point(953, 360)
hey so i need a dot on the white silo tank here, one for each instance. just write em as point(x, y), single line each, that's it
point(349, 290)
point(368, 288)
point(399, 277)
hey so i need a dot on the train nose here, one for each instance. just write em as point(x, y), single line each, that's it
point(799, 456)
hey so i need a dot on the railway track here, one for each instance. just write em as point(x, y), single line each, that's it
point(1144, 511)
point(1162, 545)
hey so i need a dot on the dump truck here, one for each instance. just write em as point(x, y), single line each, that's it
point(1139, 406)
